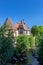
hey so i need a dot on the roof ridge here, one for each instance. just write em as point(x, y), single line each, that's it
point(11, 25)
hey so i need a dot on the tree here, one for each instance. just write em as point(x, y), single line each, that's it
point(6, 46)
point(35, 30)
point(39, 43)
point(38, 37)
point(22, 43)
point(41, 28)
point(40, 52)
point(22, 46)
point(31, 41)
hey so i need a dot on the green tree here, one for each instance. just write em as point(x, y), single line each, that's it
point(40, 52)
point(31, 41)
point(39, 43)
point(23, 47)
point(22, 42)
point(38, 37)
point(6, 46)
point(35, 30)
point(41, 28)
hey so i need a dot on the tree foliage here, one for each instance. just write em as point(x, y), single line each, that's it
point(6, 46)
point(31, 41)
point(41, 28)
point(39, 43)
point(22, 42)
point(40, 51)
point(23, 48)
point(35, 30)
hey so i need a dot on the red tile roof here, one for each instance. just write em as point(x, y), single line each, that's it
point(10, 24)
point(18, 24)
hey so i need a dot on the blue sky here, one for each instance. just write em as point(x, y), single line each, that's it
point(29, 10)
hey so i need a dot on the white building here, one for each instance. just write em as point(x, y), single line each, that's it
point(18, 28)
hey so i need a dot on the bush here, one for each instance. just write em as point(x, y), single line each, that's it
point(32, 41)
point(23, 48)
point(39, 40)
point(40, 51)
point(23, 43)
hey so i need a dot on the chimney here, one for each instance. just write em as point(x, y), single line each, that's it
point(22, 21)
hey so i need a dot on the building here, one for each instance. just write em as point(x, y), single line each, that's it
point(18, 28)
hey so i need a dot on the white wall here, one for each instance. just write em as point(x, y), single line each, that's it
point(27, 32)
point(14, 34)
point(17, 33)
point(24, 32)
